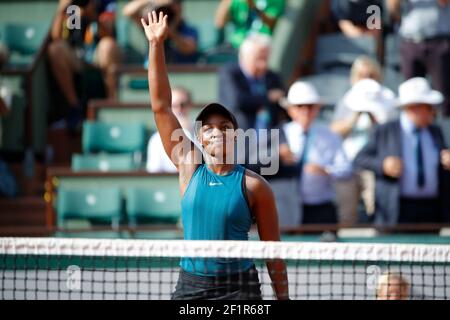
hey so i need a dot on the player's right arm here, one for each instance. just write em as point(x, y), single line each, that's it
point(170, 130)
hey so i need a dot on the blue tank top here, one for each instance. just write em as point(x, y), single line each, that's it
point(214, 208)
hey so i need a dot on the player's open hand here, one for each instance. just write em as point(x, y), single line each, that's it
point(157, 28)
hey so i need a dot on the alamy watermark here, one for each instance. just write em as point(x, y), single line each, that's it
point(253, 147)
point(373, 273)
point(73, 282)
point(374, 21)
point(73, 17)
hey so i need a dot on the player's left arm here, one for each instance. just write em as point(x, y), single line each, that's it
point(262, 203)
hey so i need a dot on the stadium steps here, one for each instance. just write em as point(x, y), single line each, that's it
point(22, 212)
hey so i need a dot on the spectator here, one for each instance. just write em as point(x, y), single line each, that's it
point(410, 161)
point(317, 152)
point(71, 50)
point(352, 16)
point(250, 89)
point(157, 159)
point(183, 38)
point(248, 16)
point(392, 286)
point(352, 122)
point(344, 118)
point(425, 44)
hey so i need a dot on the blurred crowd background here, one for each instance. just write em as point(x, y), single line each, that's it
point(359, 89)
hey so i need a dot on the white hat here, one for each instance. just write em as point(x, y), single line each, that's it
point(368, 95)
point(301, 93)
point(418, 90)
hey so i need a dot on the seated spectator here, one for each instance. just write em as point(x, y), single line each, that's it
point(410, 161)
point(181, 46)
point(317, 152)
point(425, 44)
point(392, 286)
point(71, 50)
point(249, 88)
point(157, 159)
point(352, 16)
point(248, 16)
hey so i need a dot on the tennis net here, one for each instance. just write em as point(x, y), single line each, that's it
point(58, 268)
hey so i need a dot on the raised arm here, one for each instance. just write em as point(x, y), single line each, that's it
point(133, 9)
point(160, 95)
point(263, 207)
point(222, 14)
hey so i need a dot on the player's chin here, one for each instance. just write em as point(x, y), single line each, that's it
point(218, 151)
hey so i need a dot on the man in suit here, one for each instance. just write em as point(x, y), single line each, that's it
point(250, 89)
point(410, 161)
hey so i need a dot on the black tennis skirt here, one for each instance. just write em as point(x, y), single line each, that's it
point(239, 286)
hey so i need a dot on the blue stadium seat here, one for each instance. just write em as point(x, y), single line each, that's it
point(336, 50)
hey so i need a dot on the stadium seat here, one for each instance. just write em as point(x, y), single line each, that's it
point(113, 137)
point(103, 162)
point(153, 204)
point(99, 205)
point(336, 50)
point(25, 38)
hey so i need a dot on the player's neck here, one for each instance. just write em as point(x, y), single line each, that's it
point(220, 169)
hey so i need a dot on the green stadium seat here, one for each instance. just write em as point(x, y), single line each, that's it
point(24, 38)
point(99, 205)
point(113, 137)
point(153, 204)
point(103, 162)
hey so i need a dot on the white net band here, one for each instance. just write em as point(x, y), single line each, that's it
point(227, 249)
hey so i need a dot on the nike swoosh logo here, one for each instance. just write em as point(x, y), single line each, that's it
point(212, 184)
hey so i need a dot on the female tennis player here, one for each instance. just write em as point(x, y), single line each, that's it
point(220, 200)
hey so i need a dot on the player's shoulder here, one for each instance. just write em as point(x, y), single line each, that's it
point(256, 184)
